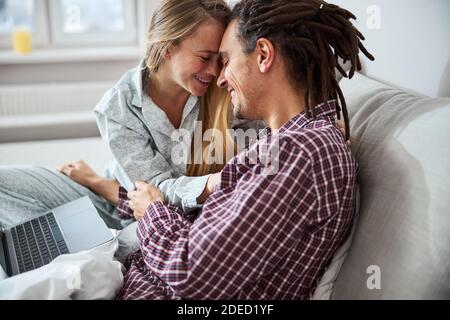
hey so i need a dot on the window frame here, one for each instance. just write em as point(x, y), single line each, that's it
point(46, 52)
point(129, 37)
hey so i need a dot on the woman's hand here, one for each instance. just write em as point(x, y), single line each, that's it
point(210, 187)
point(141, 198)
point(80, 172)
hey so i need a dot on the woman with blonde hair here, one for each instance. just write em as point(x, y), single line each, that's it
point(173, 88)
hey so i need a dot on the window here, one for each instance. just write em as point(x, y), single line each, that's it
point(99, 22)
point(73, 23)
point(17, 12)
point(23, 13)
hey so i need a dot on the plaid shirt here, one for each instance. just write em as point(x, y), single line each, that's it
point(258, 236)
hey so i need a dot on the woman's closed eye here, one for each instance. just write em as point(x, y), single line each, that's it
point(206, 59)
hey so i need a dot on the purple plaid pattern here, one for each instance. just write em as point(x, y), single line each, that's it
point(123, 210)
point(258, 236)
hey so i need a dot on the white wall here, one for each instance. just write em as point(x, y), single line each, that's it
point(412, 49)
point(412, 45)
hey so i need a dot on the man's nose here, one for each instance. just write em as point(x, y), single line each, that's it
point(213, 68)
point(221, 81)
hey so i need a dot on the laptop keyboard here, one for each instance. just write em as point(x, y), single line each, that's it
point(38, 242)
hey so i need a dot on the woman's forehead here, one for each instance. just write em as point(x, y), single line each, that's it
point(206, 38)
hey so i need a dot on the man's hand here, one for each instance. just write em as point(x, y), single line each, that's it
point(141, 198)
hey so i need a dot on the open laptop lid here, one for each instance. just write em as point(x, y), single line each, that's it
point(81, 226)
point(2, 254)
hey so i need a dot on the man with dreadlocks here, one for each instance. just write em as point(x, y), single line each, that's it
point(264, 236)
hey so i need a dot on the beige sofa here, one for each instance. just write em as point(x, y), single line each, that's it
point(401, 245)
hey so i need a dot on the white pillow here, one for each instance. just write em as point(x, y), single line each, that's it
point(88, 275)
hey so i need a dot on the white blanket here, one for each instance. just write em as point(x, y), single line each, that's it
point(93, 274)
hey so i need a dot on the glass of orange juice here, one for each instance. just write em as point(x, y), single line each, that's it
point(21, 37)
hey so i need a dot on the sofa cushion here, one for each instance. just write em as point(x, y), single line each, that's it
point(401, 246)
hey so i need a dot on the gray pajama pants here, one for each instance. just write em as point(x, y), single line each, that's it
point(26, 192)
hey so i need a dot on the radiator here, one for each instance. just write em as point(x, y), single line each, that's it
point(50, 98)
point(51, 111)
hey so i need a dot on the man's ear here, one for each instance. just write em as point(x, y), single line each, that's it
point(266, 54)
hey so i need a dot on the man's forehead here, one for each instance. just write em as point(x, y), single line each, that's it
point(229, 39)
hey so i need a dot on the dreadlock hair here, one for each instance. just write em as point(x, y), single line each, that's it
point(312, 36)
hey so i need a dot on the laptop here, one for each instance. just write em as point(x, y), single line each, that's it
point(71, 228)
